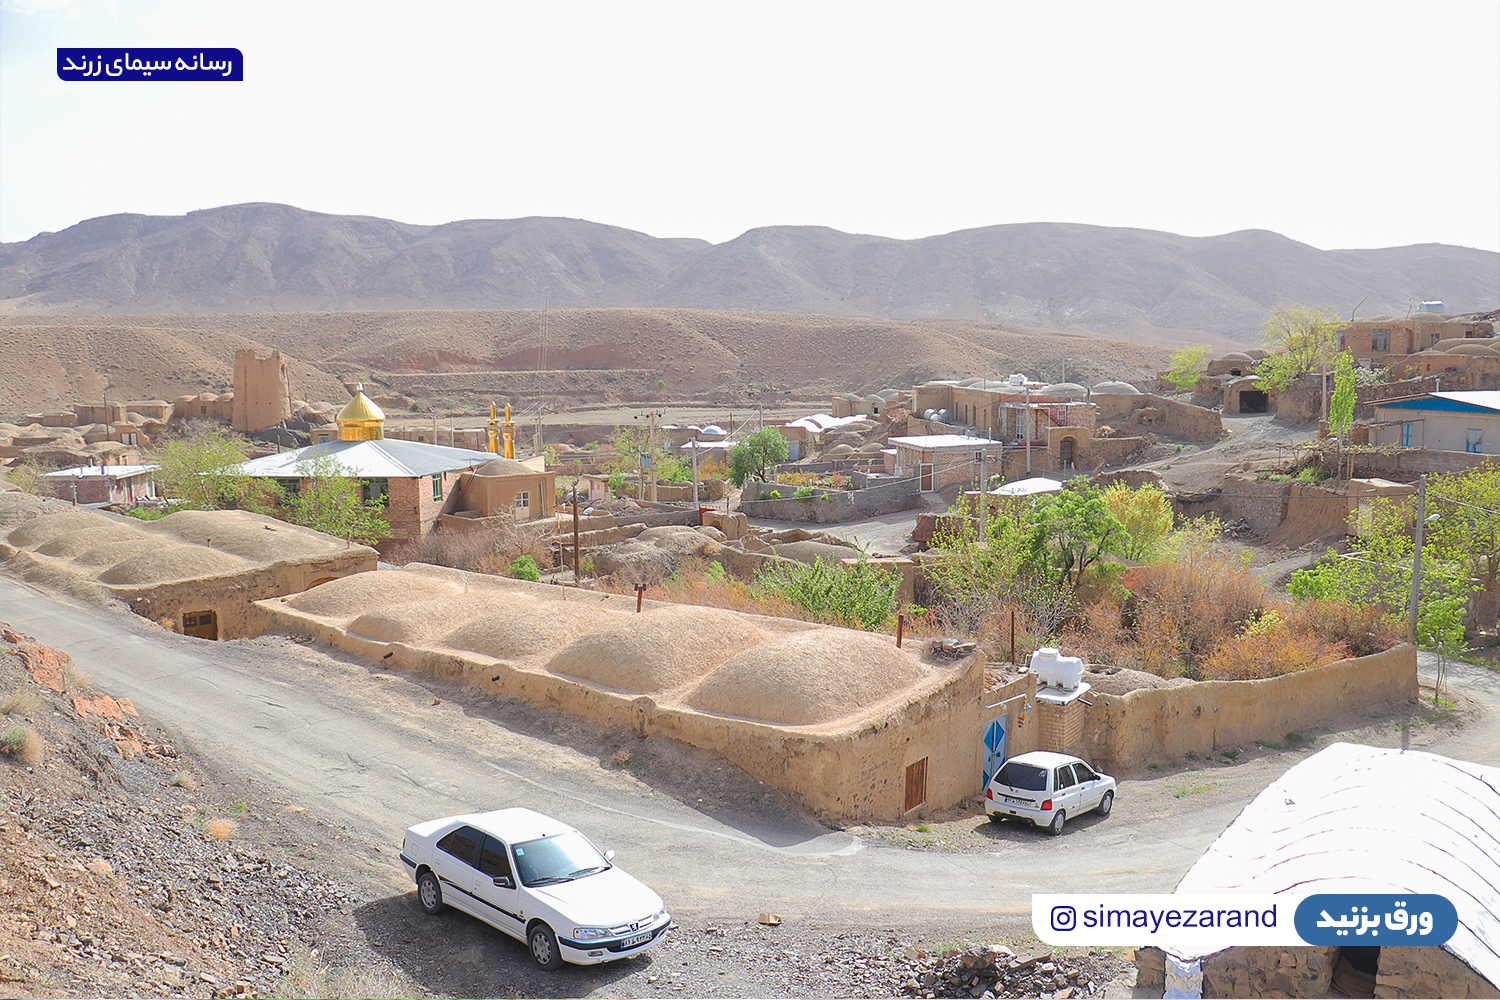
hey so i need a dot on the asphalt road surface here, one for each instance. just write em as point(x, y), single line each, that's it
point(367, 749)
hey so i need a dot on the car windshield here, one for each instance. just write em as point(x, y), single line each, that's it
point(1033, 779)
point(557, 859)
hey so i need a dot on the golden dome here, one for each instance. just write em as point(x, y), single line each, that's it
point(361, 419)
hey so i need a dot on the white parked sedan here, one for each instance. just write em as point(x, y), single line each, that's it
point(536, 879)
point(1044, 789)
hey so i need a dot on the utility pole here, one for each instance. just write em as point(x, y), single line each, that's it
point(695, 470)
point(984, 492)
point(651, 444)
point(577, 580)
point(1416, 557)
point(1028, 426)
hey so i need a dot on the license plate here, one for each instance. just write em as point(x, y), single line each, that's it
point(1017, 802)
point(631, 942)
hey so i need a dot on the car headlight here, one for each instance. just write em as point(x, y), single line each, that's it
point(590, 933)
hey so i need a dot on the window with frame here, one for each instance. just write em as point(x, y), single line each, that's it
point(462, 844)
point(1406, 434)
point(1380, 340)
point(523, 501)
point(1474, 441)
point(375, 491)
point(290, 487)
point(437, 486)
point(494, 858)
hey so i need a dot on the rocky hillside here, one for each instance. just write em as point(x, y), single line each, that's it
point(1117, 282)
point(444, 358)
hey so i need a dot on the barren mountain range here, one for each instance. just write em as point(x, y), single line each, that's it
point(1116, 282)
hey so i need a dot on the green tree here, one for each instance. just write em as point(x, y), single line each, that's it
point(329, 499)
point(750, 457)
point(201, 471)
point(978, 569)
point(1460, 555)
point(1341, 403)
point(1146, 515)
point(1186, 365)
point(1301, 339)
point(854, 596)
point(1073, 532)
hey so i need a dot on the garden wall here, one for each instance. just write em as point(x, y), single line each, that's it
point(1125, 732)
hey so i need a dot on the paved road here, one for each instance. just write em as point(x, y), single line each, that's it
point(366, 748)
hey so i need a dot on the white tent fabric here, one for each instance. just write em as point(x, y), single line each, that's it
point(1363, 819)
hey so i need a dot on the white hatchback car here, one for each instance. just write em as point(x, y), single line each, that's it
point(538, 880)
point(1044, 789)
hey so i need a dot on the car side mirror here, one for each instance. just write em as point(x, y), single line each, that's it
point(504, 882)
point(609, 855)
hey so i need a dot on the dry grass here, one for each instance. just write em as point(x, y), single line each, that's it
point(484, 551)
point(306, 978)
point(19, 703)
point(183, 780)
point(220, 829)
point(22, 744)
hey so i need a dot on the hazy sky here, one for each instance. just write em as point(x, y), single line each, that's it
point(1358, 124)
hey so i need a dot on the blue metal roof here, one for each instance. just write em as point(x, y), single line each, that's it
point(1482, 401)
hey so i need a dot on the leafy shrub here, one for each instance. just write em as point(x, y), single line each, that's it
point(806, 493)
point(1363, 628)
point(775, 494)
point(714, 573)
point(1248, 657)
point(525, 568)
point(857, 596)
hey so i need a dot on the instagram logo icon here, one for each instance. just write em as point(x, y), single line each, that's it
point(1064, 918)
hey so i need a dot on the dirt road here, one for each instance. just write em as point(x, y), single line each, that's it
point(367, 751)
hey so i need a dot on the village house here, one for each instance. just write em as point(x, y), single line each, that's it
point(1466, 422)
point(1385, 341)
point(103, 484)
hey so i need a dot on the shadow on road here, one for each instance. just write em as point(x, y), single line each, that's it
point(453, 954)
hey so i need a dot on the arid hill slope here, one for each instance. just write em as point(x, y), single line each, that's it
point(51, 360)
point(1117, 282)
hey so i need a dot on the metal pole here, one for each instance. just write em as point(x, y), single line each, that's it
point(1028, 430)
point(1416, 556)
point(900, 628)
point(652, 449)
point(984, 496)
point(695, 470)
point(1012, 633)
point(576, 577)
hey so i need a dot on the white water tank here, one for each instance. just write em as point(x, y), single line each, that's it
point(1055, 670)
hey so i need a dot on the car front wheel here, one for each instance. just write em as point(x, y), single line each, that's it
point(1107, 803)
point(1058, 820)
point(430, 893)
point(544, 947)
